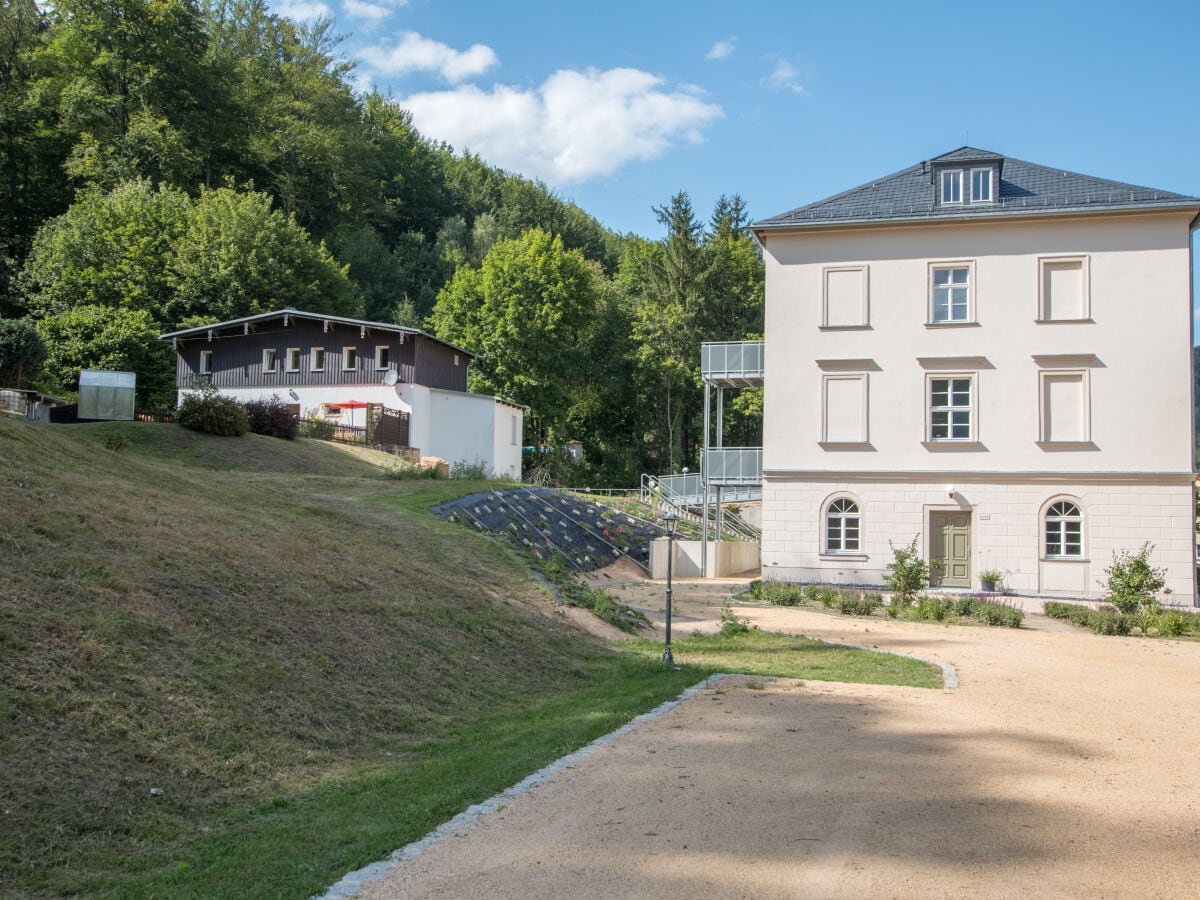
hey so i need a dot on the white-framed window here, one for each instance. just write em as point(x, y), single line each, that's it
point(951, 186)
point(270, 360)
point(349, 359)
point(292, 360)
point(382, 357)
point(951, 408)
point(843, 526)
point(981, 185)
point(1063, 530)
point(844, 296)
point(206, 362)
point(844, 408)
point(316, 359)
point(515, 436)
point(950, 293)
point(456, 359)
point(1063, 289)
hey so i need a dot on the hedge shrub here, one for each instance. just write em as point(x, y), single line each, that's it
point(208, 412)
point(272, 418)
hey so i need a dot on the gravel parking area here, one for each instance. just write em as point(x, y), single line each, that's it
point(1061, 767)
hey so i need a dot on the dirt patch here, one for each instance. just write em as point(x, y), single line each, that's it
point(1058, 769)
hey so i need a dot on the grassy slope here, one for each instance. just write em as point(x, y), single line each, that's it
point(310, 667)
point(220, 619)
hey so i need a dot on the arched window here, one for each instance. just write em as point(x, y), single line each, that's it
point(1064, 530)
point(842, 526)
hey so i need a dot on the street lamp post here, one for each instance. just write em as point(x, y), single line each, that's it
point(672, 520)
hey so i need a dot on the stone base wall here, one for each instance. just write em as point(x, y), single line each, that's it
point(1006, 530)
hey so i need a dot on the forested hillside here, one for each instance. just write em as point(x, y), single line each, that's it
point(171, 162)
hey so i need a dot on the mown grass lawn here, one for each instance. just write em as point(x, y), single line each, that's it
point(244, 667)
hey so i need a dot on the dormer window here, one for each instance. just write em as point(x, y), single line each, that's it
point(981, 185)
point(966, 186)
point(952, 186)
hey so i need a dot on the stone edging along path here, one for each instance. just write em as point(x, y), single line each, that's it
point(352, 884)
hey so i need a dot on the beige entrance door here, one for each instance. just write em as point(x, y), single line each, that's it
point(950, 544)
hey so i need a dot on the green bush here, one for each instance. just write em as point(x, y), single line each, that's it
point(731, 624)
point(997, 614)
point(907, 574)
point(965, 606)
point(317, 427)
point(1132, 583)
point(930, 609)
point(1111, 621)
point(894, 607)
point(272, 418)
point(1065, 611)
point(1176, 624)
point(851, 603)
point(470, 471)
point(829, 597)
point(207, 411)
point(812, 593)
point(405, 471)
point(780, 593)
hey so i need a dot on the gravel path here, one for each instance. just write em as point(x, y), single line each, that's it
point(1062, 767)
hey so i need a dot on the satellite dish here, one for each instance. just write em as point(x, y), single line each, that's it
point(390, 377)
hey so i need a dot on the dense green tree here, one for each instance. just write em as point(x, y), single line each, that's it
point(133, 88)
point(530, 311)
point(33, 186)
point(407, 170)
point(111, 248)
point(223, 255)
point(101, 337)
point(238, 256)
point(668, 279)
point(694, 285)
point(22, 352)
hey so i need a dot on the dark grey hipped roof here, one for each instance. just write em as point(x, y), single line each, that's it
point(1026, 189)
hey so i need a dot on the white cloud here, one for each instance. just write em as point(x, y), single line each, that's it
point(359, 10)
point(576, 126)
point(414, 53)
point(785, 77)
point(722, 49)
point(302, 10)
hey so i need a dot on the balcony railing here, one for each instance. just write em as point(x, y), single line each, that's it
point(737, 363)
point(734, 465)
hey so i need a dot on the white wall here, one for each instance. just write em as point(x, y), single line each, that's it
point(1006, 529)
point(311, 397)
point(468, 428)
point(1140, 334)
point(453, 425)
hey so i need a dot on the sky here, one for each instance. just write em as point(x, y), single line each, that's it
point(619, 105)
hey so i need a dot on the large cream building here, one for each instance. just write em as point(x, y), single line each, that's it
point(991, 356)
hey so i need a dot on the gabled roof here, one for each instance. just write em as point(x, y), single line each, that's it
point(1026, 189)
point(247, 323)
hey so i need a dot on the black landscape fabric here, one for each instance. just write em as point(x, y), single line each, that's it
point(585, 534)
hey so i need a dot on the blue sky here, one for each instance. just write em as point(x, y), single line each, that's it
point(618, 105)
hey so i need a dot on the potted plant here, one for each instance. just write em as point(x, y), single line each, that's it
point(990, 580)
